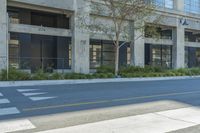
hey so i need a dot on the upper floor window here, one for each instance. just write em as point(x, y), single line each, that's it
point(164, 3)
point(192, 6)
point(38, 18)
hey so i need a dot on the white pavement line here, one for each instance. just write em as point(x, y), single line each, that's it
point(33, 94)
point(9, 111)
point(40, 98)
point(1, 94)
point(17, 125)
point(26, 90)
point(160, 122)
point(3, 101)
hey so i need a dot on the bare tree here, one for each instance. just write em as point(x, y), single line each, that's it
point(122, 16)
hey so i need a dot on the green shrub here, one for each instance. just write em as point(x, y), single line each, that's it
point(146, 69)
point(105, 69)
point(75, 76)
point(153, 69)
point(40, 75)
point(14, 75)
point(194, 71)
point(56, 76)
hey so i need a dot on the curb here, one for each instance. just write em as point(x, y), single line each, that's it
point(88, 81)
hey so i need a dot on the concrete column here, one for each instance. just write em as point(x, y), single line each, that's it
point(138, 47)
point(3, 34)
point(178, 52)
point(179, 5)
point(80, 39)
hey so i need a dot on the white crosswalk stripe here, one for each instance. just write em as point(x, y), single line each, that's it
point(3, 101)
point(9, 111)
point(26, 90)
point(35, 94)
point(41, 98)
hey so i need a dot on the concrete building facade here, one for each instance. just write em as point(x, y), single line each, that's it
point(44, 34)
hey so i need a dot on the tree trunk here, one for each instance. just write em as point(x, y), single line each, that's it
point(116, 59)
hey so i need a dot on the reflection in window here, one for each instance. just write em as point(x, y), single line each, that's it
point(192, 6)
point(192, 57)
point(14, 50)
point(102, 53)
point(13, 16)
point(163, 3)
point(163, 32)
point(38, 18)
point(160, 56)
point(192, 36)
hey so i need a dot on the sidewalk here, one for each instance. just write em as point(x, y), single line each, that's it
point(86, 81)
point(159, 122)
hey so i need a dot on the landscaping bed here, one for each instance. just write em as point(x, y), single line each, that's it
point(102, 72)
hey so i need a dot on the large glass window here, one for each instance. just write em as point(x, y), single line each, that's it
point(164, 3)
point(39, 18)
point(192, 6)
point(192, 57)
point(102, 53)
point(14, 50)
point(163, 32)
point(158, 55)
point(33, 52)
point(192, 36)
point(13, 16)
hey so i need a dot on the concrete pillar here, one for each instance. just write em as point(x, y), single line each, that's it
point(178, 52)
point(3, 34)
point(179, 5)
point(80, 39)
point(138, 47)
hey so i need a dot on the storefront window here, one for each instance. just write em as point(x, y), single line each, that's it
point(14, 50)
point(158, 55)
point(192, 56)
point(33, 52)
point(102, 53)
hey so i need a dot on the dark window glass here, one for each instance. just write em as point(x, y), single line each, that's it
point(39, 18)
point(33, 52)
point(158, 55)
point(160, 32)
point(102, 53)
point(45, 20)
point(192, 56)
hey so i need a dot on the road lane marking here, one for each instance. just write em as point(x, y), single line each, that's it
point(40, 98)
point(26, 90)
point(3, 101)
point(108, 101)
point(33, 94)
point(9, 111)
point(171, 120)
point(16, 125)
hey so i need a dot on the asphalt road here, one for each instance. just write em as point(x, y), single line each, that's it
point(58, 106)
